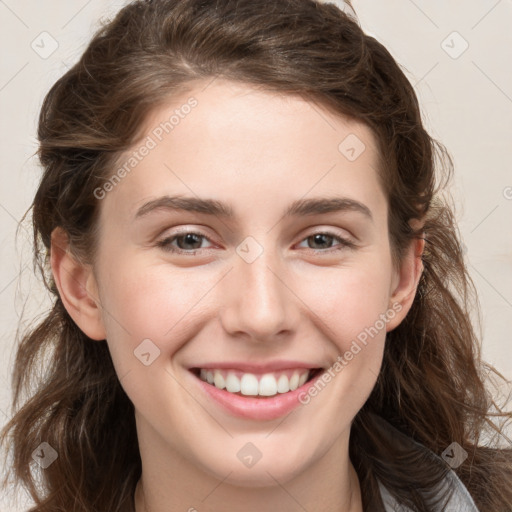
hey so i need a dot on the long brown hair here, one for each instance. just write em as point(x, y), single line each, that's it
point(431, 386)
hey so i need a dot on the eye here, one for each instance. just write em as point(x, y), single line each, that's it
point(189, 242)
point(326, 238)
point(184, 242)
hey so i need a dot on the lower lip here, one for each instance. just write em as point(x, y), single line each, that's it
point(267, 408)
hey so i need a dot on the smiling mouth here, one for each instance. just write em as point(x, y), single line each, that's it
point(266, 385)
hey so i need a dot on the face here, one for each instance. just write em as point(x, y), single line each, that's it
point(255, 329)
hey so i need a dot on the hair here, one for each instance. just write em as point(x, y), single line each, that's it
point(432, 385)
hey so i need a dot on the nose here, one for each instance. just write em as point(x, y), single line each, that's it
point(259, 303)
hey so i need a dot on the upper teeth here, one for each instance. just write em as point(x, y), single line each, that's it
point(268, 384)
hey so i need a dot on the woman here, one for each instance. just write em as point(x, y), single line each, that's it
point(263, 370)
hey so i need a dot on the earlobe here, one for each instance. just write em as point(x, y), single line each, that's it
point(77, 288)
point(406, 284)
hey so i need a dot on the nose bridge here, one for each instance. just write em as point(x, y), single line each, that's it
point(258, 301)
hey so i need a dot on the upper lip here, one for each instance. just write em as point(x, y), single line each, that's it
point(270, 366)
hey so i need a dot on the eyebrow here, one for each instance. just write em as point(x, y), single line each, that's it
point(301, 207)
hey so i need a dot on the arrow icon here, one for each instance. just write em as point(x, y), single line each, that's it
point(44, 45)
point(44, 455)
point(147, 352)
point(454, 455)
point(454, 45)
point(249, 455)
point(351, 147)
point(249, 249)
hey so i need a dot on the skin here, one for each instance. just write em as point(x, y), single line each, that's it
point(258, 152)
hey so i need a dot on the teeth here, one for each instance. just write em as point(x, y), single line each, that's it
point(283, 384)
point(294, 381)
point(268, 385)
point(218, 380)
point(248, 384)
point(232, 383)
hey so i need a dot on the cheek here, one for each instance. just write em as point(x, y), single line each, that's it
point(150, 302)
point(346, 301)
point(355, 320)
point(146, 310)
point(149, 314)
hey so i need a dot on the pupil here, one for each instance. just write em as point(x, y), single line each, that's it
point(189, 239)
point(319, 237)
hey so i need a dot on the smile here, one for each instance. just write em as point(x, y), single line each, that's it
point(250, 384)
point(255, 393)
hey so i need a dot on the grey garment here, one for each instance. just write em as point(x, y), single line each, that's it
point(460, 501)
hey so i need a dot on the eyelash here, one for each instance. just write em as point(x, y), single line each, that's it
point(165, 243)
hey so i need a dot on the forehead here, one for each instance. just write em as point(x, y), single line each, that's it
point(231, 140)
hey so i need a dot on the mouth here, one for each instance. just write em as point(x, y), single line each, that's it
point(256, 385)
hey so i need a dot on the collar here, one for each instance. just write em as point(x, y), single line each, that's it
point(460, 499)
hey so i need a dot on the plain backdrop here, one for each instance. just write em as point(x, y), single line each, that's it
point(457, 55)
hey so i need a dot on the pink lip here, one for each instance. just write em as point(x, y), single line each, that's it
point(273, 366)
point(261, 409)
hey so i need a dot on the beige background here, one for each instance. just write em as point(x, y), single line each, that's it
point(466, 98)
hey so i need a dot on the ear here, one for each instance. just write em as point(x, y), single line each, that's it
point(405, 282)
point(77, 287)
